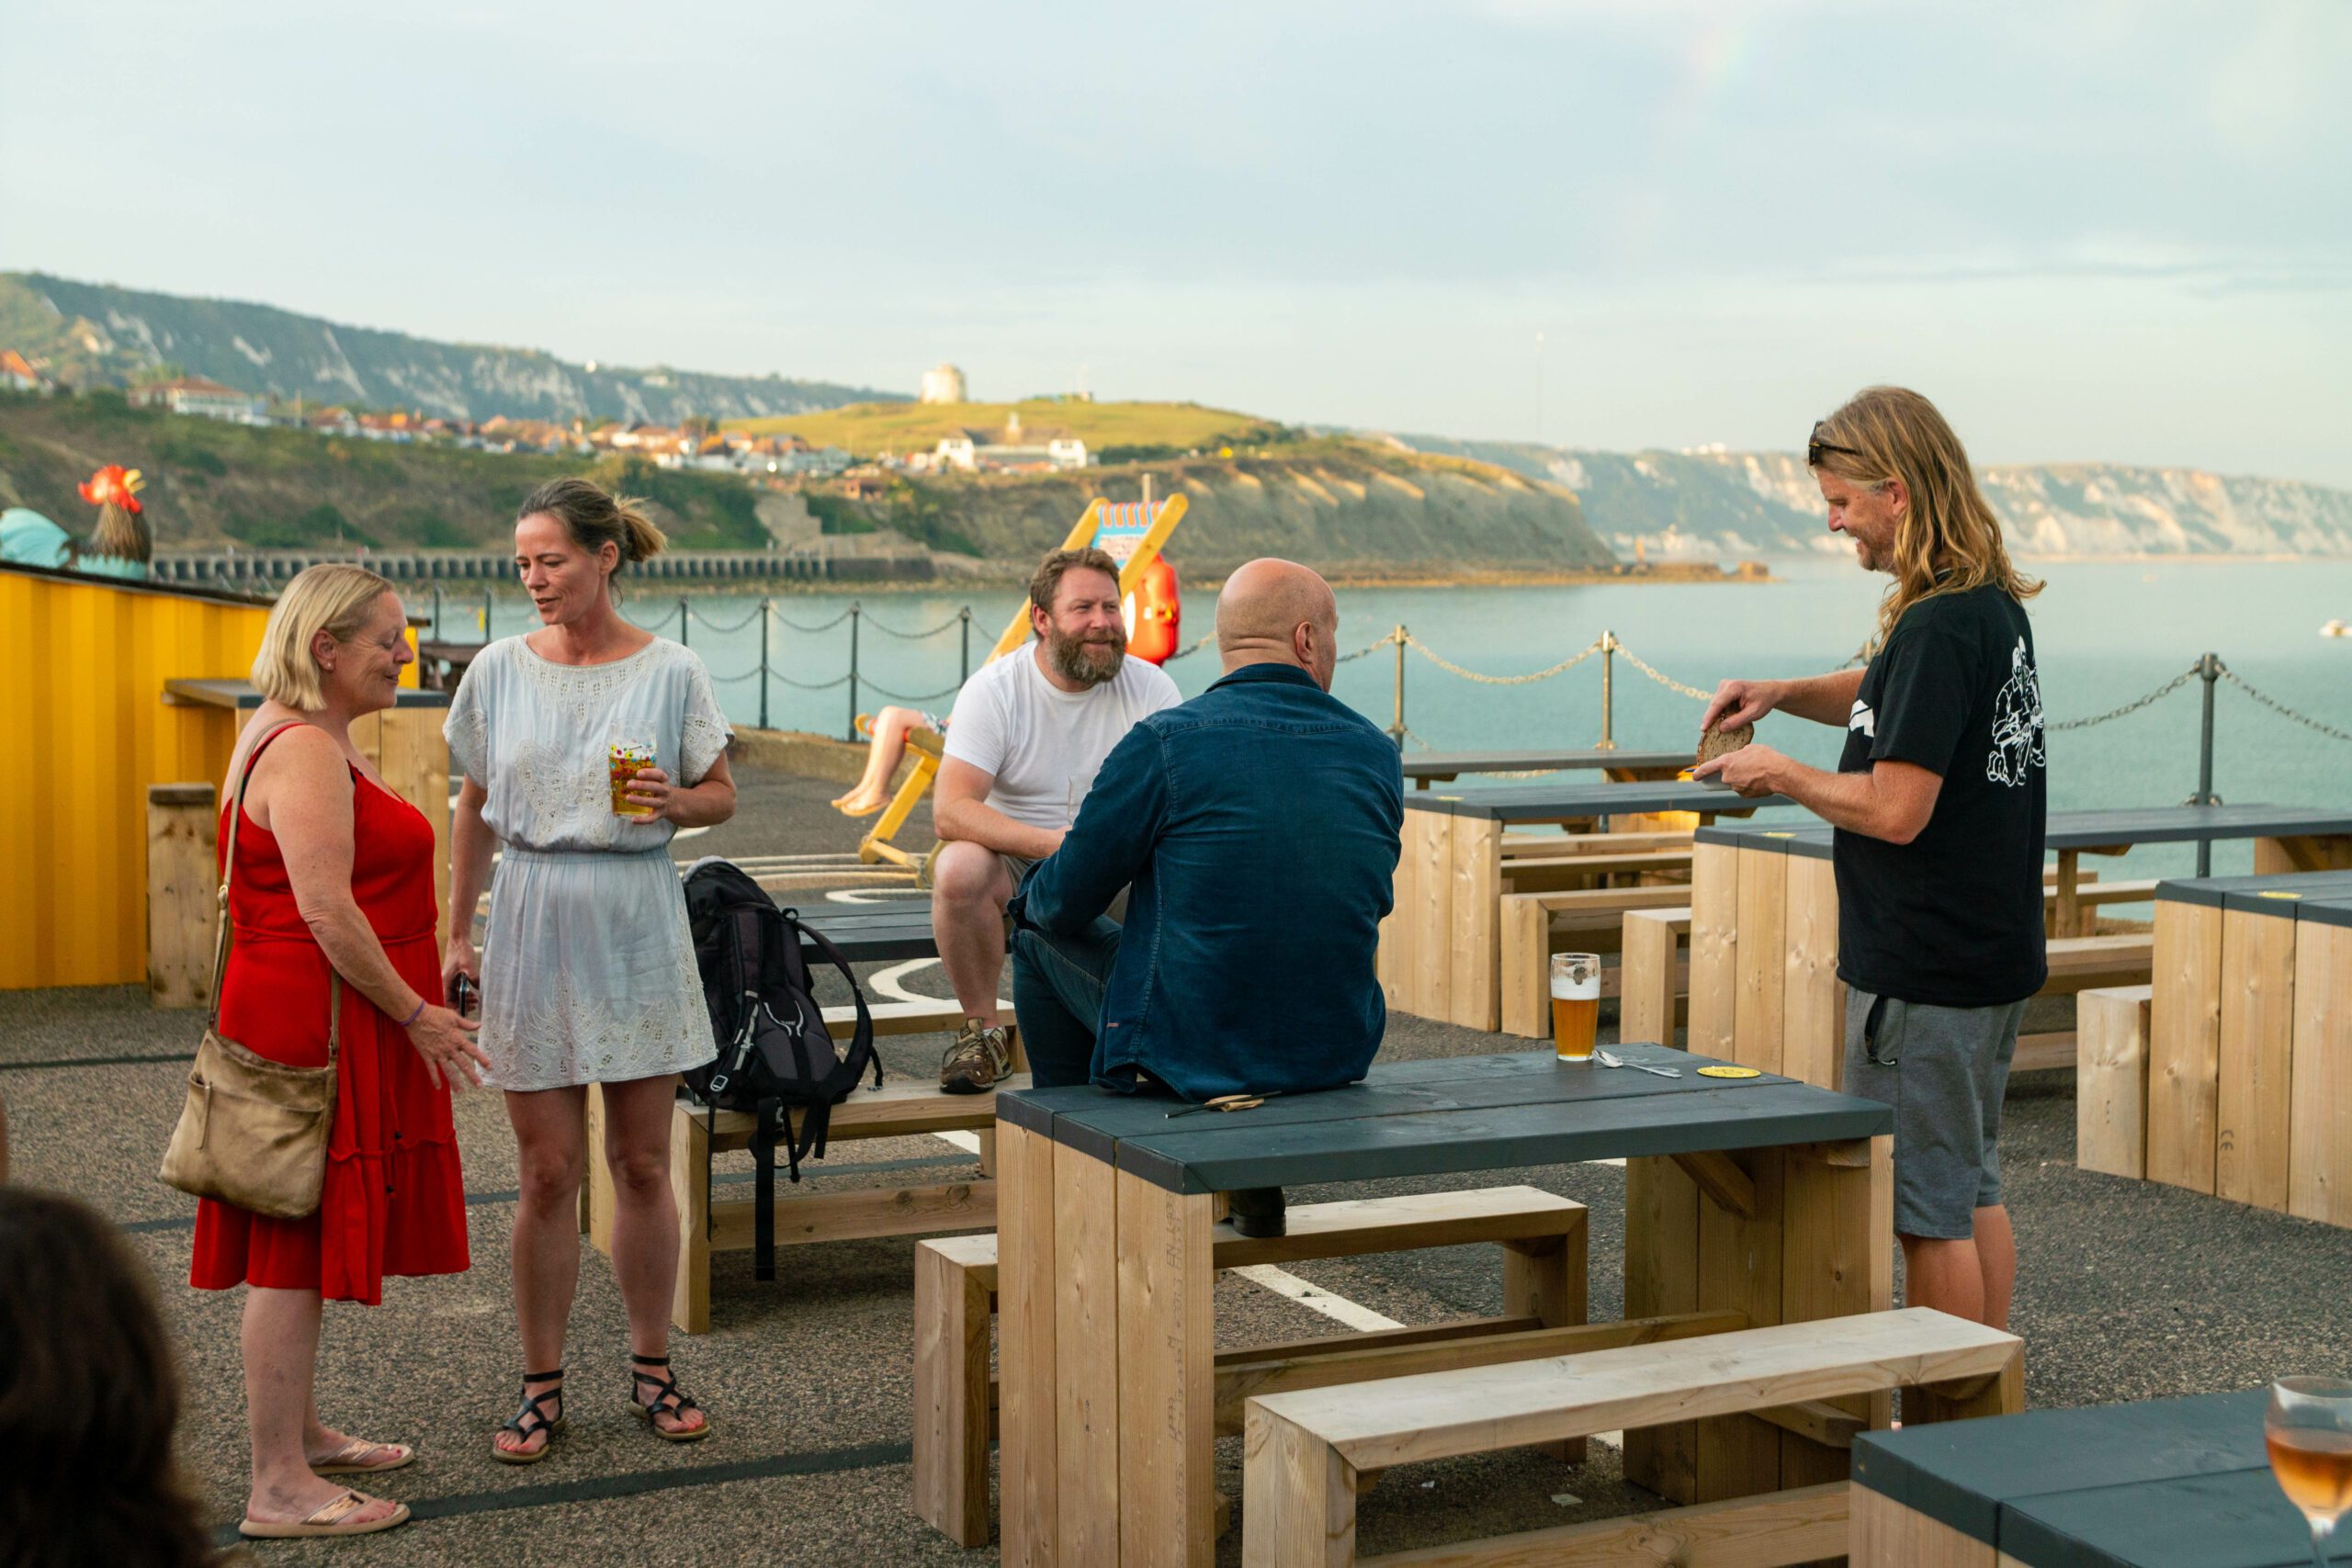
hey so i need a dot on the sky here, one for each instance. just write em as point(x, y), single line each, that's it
point(2091, 230)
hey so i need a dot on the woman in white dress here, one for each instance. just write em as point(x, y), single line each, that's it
point(587, 969)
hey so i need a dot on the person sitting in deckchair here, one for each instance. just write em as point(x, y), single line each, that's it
point(1259, 826)
point(1028, 732)
point(891, 725)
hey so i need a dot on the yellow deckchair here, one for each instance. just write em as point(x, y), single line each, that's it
point(1132, 531)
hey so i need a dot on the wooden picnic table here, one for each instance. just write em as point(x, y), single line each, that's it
point(1764, 920)
point(1426, 768)
point(2245, 1069)
point(2157, 1483)
point(1441, 949)
point(1760, 1197)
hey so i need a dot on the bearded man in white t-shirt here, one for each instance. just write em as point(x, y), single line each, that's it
point(1028, 734)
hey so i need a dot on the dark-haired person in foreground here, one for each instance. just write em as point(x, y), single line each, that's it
point(1028, 733)
point(1259, 826)
point(89, 1398)
point(1938, 806)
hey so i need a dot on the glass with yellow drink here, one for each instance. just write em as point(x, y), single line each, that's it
point(1576, 1004)
point(628, 751)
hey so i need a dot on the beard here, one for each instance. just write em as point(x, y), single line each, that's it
point(1089, 661)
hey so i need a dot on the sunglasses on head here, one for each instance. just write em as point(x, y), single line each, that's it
point(1815, 447)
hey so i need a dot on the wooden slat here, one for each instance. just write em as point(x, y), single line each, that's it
point(1167, 1491)
point(1662, 1279)
point(1026, 1457)
point(1358, 1227)
point(690, 1188)
point(894, 1111)
point(1812, 1038)
point(852, 1216)
point(1650, 983)
point(2324, 852)
point(1430, 840)
point(1399, 929)
point(183, 894)
point(1301, 1498)
point(2253, 1057)
point(1758, 1013)
point(1476, 886)
point(1086, 1354)
point(1722, 1179)
point(1525, 962)
point(2184, 1045)
point(1886, 1534)
point(1748, 1533)
point(1831, 1248)
point(1739, 1270)
point(1444, 1415)
point(2111, 1080)
point(1715, 948)
point(2319, 1179)
point(951, 1396)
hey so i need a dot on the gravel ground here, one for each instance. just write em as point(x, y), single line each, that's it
point(2126, 1291)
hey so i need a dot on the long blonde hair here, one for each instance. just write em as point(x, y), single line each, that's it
point(335, 598)
point(1947, 541)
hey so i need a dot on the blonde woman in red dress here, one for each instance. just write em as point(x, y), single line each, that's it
point(334, 872)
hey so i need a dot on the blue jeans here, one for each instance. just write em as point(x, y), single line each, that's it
point(1057, 984)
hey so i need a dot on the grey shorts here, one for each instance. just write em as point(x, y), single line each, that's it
point(1944, 1070)
point(1017, 867)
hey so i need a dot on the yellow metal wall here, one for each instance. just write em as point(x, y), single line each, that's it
point(85, 730)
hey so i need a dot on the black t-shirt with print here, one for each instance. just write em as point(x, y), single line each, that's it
point(1952, 918)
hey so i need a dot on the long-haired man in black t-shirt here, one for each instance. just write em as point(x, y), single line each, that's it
point(1938, 804)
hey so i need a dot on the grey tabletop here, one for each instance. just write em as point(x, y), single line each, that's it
point(1446, 1115)
point(1555, 802)
point(874, 936)
point(242, 694)
point(1453, 765)
point(2323, 895)
point(2092, 829)
point(2159, 1483)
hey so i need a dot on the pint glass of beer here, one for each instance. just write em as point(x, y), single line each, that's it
point(628, 752)
point(1576, 1004)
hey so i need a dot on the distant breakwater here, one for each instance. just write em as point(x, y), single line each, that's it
point(248, 569)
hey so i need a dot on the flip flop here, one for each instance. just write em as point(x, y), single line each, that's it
point(325, 1521)
point(345, 1460)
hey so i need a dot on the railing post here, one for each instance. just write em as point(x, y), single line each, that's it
point(855, 611)
point(682, 622)
point(767, 615)
point(485, 615)
point(1608, 687)
point(436, 609)
point(1397, 731)
point(963, 664)
point(2208, 670)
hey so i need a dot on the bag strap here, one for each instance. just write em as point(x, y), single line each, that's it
point(862, 1040)
point(222, 939)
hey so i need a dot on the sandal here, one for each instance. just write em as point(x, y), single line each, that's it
point(531, 1420)
point(326, 1520)
point(345, 1459)
point(666, 1401)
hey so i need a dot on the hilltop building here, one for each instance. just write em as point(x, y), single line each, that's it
point(944, 384)
point(973, 452)
point(208, 399)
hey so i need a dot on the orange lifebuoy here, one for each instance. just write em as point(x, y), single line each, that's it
point(1155, 613)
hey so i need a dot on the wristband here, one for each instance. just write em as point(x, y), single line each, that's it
point(414, 1016)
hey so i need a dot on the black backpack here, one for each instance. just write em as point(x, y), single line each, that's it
point(776, 1056)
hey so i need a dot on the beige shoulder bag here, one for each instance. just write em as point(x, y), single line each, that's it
point(253, 1131)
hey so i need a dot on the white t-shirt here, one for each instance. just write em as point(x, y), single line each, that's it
point(1042, 744)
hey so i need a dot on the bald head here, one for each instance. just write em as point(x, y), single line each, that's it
point(1278, 612)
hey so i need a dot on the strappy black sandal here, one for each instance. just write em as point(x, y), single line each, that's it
point(532, 1419)
point(666, 1401)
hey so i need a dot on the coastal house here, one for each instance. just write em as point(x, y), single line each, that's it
point(205, 398)
point(970, 454)
point(18, 374)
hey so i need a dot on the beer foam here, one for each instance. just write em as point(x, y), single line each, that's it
point(1567, 990)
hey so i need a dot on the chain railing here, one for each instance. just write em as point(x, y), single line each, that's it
point(2210, 669)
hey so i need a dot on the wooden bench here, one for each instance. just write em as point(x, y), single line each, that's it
point(1556, 846)
point(1581, 919)
point(1305, 1451)
point(2111, 1027)
point(1654, 973)
point(1542, 1239)
point(898, 1110)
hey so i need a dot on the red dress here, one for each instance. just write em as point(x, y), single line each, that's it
point(395, 1201)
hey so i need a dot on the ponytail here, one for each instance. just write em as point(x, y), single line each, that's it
point(640, 540)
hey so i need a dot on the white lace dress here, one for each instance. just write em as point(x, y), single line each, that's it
point(587, 968)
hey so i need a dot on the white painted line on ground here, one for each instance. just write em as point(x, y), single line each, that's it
point(888, 982)
point(967, 1142)
point(876, 895)
point(1314, 1298)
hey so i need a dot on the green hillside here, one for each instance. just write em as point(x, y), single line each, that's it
point(1112, 431)
point(211, 483)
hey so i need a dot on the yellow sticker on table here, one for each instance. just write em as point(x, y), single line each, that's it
point(1729, 1073)
point(2277, 895)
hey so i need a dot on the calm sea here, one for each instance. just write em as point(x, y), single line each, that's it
point(2106, 632)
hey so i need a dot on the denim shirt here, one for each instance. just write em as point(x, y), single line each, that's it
point(1257, 825)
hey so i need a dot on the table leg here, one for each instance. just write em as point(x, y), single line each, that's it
point(2068, 918)
point(1474, 984)
point(2324, 852)
point(1025, 1451)
point(1166, 1377)
point(1086, 1355)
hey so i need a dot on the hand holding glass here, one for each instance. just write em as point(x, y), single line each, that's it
point(2308, 1430)
point(1576, 1004)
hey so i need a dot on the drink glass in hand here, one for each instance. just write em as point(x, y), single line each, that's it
point(2308, 1430)
point(629, 749)
point(1576, 1004)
